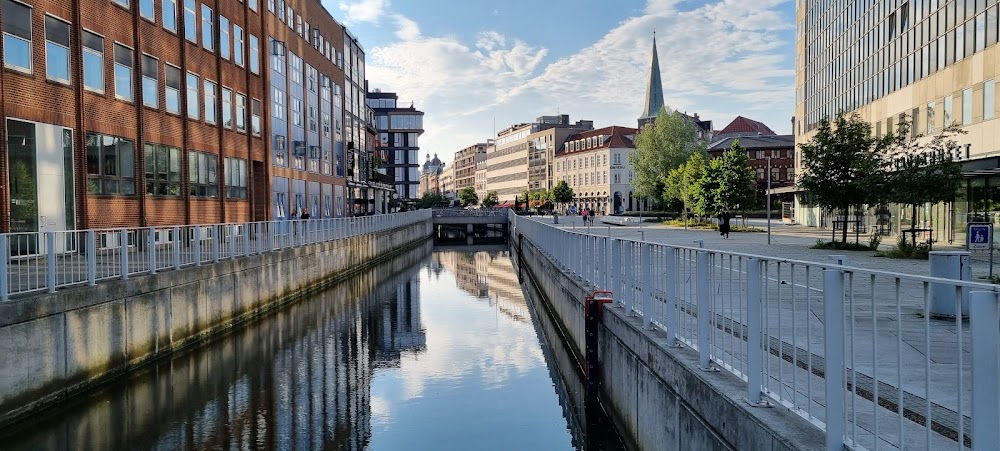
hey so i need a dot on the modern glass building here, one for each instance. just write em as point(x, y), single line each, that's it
point(399, 129)
point(930, 61)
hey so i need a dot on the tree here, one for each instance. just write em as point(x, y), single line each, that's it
point(844, 164)
point(923, 170)
point(468, 196)
point(681, 182)
point(562, 193)
point(431, 200)
point(727, 183)
point(659, 148)
point(490, 199)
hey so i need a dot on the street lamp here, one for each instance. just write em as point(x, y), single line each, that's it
point(768, 200)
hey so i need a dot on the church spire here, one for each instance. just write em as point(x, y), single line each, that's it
point(654, 90)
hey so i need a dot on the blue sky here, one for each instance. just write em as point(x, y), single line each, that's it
point(472, 64)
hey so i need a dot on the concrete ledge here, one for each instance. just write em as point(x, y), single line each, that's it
point(58, 344)
point(657, 395)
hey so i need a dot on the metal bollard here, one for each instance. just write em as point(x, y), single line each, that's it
point(755, 356)
point(704, 312)
point(50, 261)
point(833, 328)
point(984, 316)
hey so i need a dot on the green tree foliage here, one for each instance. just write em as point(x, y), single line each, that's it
point(467, 196)
point(490, 199)
point(923, 170)
point(431, 200)
point(682, 182)
point(844, 164)
point(727, 183)
point(562, 193)
point(659, 148)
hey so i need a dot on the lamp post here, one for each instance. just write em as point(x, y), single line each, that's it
point(768, 200)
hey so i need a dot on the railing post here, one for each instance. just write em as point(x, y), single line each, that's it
point(4, 274)
point(833, 327)
point(197, 245)
point(755, 356)
point(605, 268)
point(232, 240)
point(616, 270)
point(646, 261)
point(216, 228)
point(123, 251)
point(50, 261)
point(629, 276)
point(176, 246)
point(984, 316)
point(704, 311)
point(671, 294)
point(151, 248)
point(91, 258)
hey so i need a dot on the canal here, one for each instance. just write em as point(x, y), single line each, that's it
point(436, 350)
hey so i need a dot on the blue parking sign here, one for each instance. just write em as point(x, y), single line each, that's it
point(979, 236)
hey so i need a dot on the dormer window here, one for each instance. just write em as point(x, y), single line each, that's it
point(600, 140)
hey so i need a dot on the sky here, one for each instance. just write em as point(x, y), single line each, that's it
point(474, 66)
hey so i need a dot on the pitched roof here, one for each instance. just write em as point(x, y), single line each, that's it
point(754, 142)
point(616, 137)
point(742, 125)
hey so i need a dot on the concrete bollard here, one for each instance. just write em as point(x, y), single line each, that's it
point(949, 265)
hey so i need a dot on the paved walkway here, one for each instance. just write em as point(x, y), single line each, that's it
point(888, 338)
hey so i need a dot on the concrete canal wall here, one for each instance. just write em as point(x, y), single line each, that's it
point(56, 345)
point(657, 395)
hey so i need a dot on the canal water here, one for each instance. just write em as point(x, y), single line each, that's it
point(436, 350)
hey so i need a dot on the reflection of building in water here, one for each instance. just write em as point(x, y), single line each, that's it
point(489, 275)
point(400, 326)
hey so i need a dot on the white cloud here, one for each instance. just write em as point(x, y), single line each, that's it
point(721, 59)
point(363, 11)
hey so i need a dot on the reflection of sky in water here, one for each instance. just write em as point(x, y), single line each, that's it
point(481, 383)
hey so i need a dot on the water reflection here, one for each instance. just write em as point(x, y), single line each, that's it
point(427, 352)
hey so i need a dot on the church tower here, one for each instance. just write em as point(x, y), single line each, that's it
point(654, 91)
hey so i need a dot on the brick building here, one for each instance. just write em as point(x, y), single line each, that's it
point(465, 165)
point(156, 112)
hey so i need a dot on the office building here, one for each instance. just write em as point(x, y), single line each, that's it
point(465, 165)
point(399, 129)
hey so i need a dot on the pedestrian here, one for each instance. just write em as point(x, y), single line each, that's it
point(724, 218)
point(584, 214)
point(305, 214)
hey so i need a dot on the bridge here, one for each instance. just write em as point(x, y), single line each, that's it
point(452, 225)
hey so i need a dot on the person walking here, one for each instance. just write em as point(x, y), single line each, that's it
point(724, 219)
point(584, 213)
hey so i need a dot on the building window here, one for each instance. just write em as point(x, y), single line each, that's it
point(241, 112)
point(163, 170)
point(122, 3)
point(236, 178)
point(280, 150)
point(146, 9)
point(56, 49)
point(967, 106)
point(209, 102)
point(237, 45)
point(123, 72)
point(172, 89)
point(279, 104)
point(223, 36)
point(930, 118)
point(227, 108)
point(150, 82)
point(948, 110)
point(254, 54)
point(207, 28)
point(203, 172)
point(191, 20)
point(252, 4)
point(255, 117)
point(110, 165)
point(989, 99)
point(93, 62)
point(16, 36)
point(169, 15)
point(193, 109)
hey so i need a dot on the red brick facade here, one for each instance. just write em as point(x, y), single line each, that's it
point(34, 97)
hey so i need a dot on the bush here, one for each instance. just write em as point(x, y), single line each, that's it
point(841, 246)
point(903, 249)
point(692, 223)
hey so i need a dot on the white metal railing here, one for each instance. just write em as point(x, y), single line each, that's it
point(888, 375)
point(47, 261)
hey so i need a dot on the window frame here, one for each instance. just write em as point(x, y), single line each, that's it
point(172, 28)
point(130, 68)
point(29, 40)
point(66, 47)
point(101, 178)
point(227, 107)
point(84, 50)
point(209, 98)
point(207, 25)
point(146, 58)
point(196, 95)
point(225, 36)
point(235, 178)
point(256, 112)
point(178, 89)
point(163, 182)
point(191, 28)
point(240, 121)
point(197, 186)
point(238, 57)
